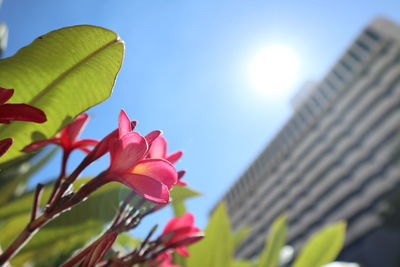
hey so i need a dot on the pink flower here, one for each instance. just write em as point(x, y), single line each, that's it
point(164, 259)
point(67, 138)
point(158, 149)
point(18, 112)
point(181, 232)
point(149, 177)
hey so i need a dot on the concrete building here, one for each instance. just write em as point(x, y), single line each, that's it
point(336, 158)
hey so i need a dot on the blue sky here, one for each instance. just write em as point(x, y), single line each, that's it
point(185, 70)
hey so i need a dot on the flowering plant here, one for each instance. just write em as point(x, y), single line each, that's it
point(51, 225)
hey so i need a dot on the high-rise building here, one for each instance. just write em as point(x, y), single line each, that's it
point(335, 159)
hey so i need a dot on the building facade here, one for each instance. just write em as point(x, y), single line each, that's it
point(337, 158)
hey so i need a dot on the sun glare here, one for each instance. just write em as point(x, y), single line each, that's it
point(274, 71)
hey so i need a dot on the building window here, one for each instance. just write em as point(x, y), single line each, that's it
point(363, 45)
point(338, 75)
point(346, 66)
point(354, 55)
point(372, 34)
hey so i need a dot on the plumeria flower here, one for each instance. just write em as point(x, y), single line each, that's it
point(149, 177)
point(180, 232)
point(158, 149)
point(18, 112)
point(67, 138)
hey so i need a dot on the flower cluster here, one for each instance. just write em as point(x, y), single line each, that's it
point(139, 162)
point(136, 161)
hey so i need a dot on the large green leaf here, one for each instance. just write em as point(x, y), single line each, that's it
point(275, 241)
point(216, 248)
point(323, 247)
point(64, 73)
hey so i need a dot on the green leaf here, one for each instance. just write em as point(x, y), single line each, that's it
point(242, 263)
point(126, 242)
point(181, 193)
point(69, 231)
point(178, 196)
point(64, 73)
point(56, 245)
point(323, 247)
point(274, 243)
point(240, 235)
point(15, 179)
point(216, 248)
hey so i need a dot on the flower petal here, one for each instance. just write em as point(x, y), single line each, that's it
point(5, 95)
point(158, 169)
point(158, 148)
point(126, 151)
point(181, 173)
point(21, 112)
point(5, 145)
point(72, 131)
point(186, 220)
point(104, 145)
point(190, 239)
point(183, 251)
point(152, 136)
point(84, 143)
point(147, 187)
point(39, 144)
point(133, 125)
point(124, 124)
point(174, 157)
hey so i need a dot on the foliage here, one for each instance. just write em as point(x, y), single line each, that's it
point(275, 241)
point(323, 247)
point(63, 73)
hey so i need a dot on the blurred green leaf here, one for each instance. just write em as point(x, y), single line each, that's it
point(240, 235)
point(323, 247)
point(242, 263)
point(275, 241)
point(181, 193)
point(69, 231)
point(55, 245)
point(178, 196)
point(14, 179)
point(216, 248)
point(126, 242)
point(64, 73)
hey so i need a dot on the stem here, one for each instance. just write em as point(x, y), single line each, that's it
point(80, 256)
point(121, 210)
point(35, 224)
point(56, 186)
point(61, 188)
point(36, 201)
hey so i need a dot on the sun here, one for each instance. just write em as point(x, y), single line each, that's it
point(274, 70)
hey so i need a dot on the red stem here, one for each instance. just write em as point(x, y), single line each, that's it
point(57, 183)
point(36, 201)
